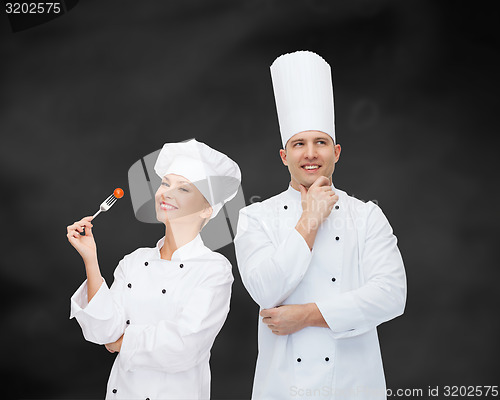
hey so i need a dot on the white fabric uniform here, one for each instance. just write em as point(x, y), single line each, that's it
point(354, 274)
point(170, 312)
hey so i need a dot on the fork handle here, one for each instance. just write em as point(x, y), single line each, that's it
point(95, 215)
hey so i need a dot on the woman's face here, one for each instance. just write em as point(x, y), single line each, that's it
point(178, 199)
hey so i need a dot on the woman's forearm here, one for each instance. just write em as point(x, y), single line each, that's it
point(94, 278)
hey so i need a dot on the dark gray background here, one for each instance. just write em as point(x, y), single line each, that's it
point(86, 95)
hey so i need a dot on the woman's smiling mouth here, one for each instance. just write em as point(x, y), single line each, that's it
point(166, 206)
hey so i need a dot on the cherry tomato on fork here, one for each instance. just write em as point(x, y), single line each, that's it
point(118, 193)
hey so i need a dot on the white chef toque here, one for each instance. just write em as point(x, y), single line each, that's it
point(215, 175)
point(303, 90)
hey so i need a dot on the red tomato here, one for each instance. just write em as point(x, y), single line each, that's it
point(118, 193)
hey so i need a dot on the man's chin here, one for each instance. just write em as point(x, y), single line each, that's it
point(306, 182)
point(309, 180)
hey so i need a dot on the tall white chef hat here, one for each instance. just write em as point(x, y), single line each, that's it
point(215, 175)
point(303, 90)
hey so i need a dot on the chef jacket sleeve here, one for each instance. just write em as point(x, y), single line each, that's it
point(270, 271)
point(101, 319)
point(383, 294)
point(179, 344)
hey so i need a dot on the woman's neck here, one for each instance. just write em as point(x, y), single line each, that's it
point(176, 236)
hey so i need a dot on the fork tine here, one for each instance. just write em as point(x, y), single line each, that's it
point(109, 199)
point(113, 201)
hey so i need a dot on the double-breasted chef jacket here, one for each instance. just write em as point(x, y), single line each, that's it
point(170, 313)
point(354, 274)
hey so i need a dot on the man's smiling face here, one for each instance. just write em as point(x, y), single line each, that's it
point(308, 155)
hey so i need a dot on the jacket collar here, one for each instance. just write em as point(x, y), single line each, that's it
point(192, 249)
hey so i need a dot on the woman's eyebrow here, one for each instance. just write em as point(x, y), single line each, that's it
point(179, 182)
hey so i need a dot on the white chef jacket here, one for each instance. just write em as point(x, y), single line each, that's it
point(354, 274)
point(170, 313)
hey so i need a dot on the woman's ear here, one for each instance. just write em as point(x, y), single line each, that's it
point(207, 212)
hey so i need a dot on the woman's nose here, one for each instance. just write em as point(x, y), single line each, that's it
point(168, 193)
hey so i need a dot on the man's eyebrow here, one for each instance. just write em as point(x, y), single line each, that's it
point(315, 139)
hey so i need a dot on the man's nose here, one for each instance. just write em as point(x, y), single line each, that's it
point(310, 152)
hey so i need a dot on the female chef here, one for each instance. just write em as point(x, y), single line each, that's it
point(167, 303)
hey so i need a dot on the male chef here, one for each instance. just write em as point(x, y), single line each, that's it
point(323, 266)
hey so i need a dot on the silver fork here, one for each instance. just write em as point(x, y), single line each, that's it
point(105, 206)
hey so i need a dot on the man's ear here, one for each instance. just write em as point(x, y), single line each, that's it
point(337, 150)
point(283, 156)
